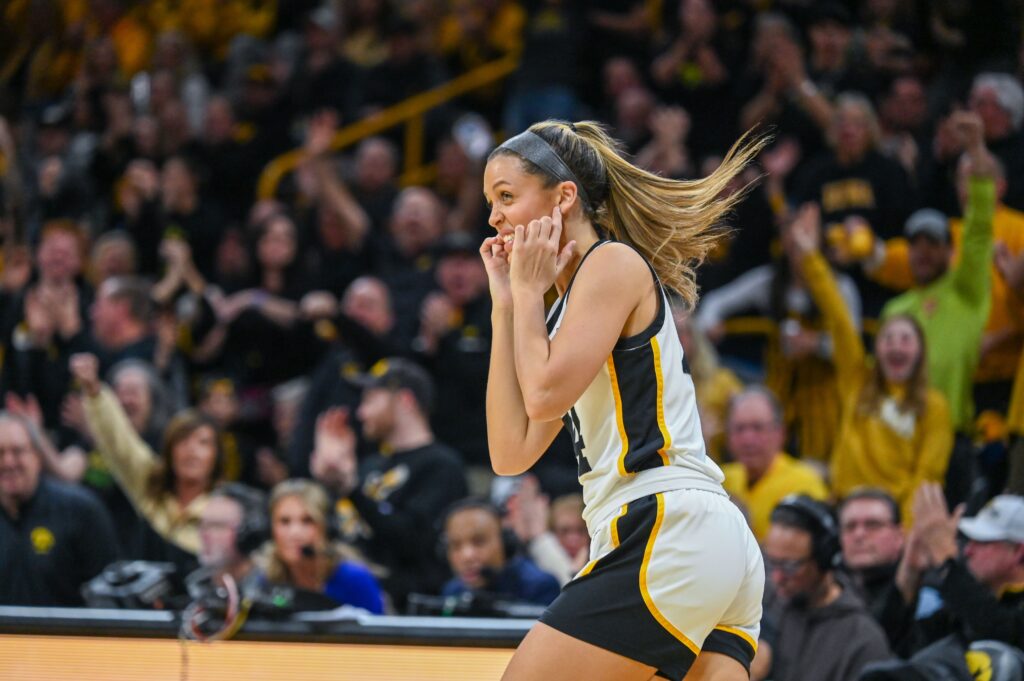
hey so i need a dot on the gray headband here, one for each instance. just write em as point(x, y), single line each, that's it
point(534, 149)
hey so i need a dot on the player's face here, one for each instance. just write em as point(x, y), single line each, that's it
point(514, 196)
point(473, 538)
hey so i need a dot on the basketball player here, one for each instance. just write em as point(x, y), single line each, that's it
point(674, 582)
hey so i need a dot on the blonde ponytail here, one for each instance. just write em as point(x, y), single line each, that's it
point(672, 223)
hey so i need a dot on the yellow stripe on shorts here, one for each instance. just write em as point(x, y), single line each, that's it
point(615, 526)
point(669, 627)
point(739, 632)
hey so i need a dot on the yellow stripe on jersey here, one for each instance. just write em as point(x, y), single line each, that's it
point(619, 421)
point(741, 634)
point(643, 582)
point(615, 526)
point(662, 426)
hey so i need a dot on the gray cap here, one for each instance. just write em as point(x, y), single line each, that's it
point(929, 222)
point(1002, 519)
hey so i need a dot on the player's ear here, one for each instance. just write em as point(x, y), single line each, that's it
point(568, 193)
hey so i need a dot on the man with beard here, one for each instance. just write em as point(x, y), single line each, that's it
point(824, 631)
point(389, 506)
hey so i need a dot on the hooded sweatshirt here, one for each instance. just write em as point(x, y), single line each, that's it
point(830, 643)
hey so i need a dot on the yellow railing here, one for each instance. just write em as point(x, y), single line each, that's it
point(410, 112)
point(765, 326)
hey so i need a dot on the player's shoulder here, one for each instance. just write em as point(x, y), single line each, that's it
point(616, 258)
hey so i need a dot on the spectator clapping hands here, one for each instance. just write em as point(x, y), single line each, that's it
point(333, 461)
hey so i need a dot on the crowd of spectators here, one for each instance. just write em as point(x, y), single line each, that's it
point(289, 388)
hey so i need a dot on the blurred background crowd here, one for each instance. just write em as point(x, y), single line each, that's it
point(244, 325)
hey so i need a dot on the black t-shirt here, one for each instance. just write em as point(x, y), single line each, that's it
point(971, 610)
point(460, 370)
point(552, 45)
point(395, 514)
point(61, 539)
point(875, 188)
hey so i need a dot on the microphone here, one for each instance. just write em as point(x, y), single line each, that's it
point(308, 551)
point(488, 575)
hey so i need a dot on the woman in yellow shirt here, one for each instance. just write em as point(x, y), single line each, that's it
point(896, 430)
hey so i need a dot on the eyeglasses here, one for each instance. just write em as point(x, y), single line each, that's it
point(786, 567)
point(869, 525)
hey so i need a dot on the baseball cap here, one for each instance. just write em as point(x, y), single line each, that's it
point(929, 222)
point(396, 373)
point(1002, 519)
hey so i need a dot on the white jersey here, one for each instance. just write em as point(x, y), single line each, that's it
point(635, 429)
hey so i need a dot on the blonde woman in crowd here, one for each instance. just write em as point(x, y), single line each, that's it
point(303, 553)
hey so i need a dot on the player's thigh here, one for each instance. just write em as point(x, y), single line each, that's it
point(547, 654)
point(716, 667)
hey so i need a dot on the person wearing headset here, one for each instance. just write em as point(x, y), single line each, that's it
point(485, 557)
point(822, 630)
point(304, 550)
point(232, 526)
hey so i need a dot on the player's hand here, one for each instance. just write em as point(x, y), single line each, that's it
point(536, 260)
point(495, 254)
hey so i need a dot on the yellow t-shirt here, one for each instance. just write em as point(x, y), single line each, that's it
point(784, 476)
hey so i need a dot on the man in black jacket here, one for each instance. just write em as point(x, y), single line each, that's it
point(982, 587)
point(390, 507)
point(53, 537)
point(871, 537)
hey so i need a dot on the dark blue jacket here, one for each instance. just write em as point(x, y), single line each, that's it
point(520, 580)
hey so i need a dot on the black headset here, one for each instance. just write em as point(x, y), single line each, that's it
point(815, 517)
point(255, 527)
point(510, 544)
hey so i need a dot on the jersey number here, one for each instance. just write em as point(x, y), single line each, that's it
point(572, 422)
